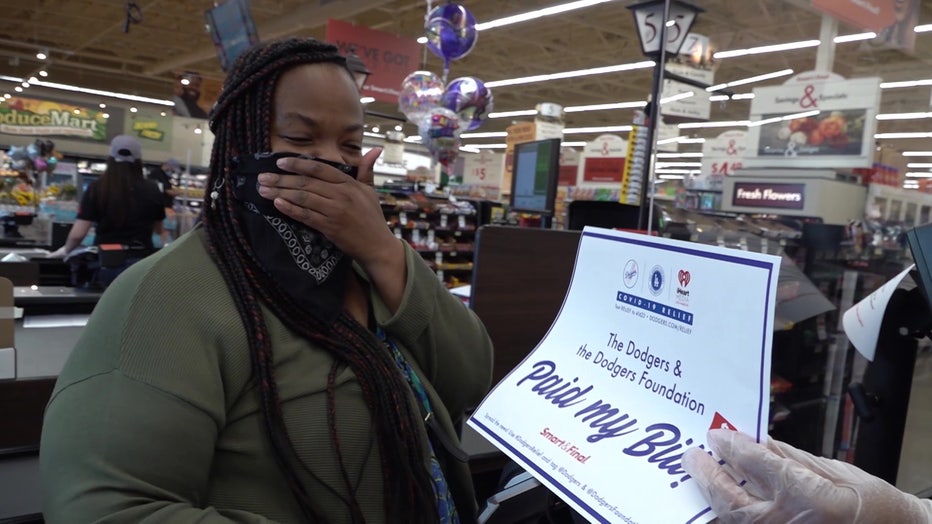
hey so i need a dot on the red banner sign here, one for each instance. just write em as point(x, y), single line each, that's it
point(390, 58)
point(609, 169)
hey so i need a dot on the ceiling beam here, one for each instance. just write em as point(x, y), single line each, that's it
point(295, 21)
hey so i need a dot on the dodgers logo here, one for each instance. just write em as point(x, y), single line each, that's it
point(631, 274)
point(656, 280)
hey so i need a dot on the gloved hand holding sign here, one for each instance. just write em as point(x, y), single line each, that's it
point(787, 485)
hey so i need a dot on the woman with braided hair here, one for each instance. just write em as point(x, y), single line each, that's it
point(313, 366)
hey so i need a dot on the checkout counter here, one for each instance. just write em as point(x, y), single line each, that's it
point(37, 332)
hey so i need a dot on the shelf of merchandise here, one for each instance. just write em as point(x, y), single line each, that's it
point(441, 231)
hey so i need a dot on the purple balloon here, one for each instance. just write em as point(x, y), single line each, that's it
point(451, 32)
point(469, 99)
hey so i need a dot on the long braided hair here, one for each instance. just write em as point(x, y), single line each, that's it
point(241, 123)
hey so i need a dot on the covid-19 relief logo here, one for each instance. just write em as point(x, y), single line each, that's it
point(631, 274)
point(657, 281)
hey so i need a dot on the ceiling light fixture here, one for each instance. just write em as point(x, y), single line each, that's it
point(539, 13)
point(666, 176)
point(751, 80)
point(105, 115)
point(366, 100)
point(33, 80)
point(133, 109)
point(766, 49)
point(98, 92)
point(920, 175)
point(18, 89)
point(573, 144)
point(925, 28)
point(372, 134)
point(603, 107)
point(856, 37)
point(602, 129)
point(42, 54)
point(490, 134)
point(508, 114)
point(919, 165)
point(792, 116)
point(488, 146)
point(906, 83)
point(905, 153)
point(677, 97)
point(664, 165)
point(703, 125)
point(889, 136)
point(572, 74)
point(679, 155)
point(903, 116)
point(43, 73)
point(7, 96)
point(184, 81)
point(102, 105)
point(197, 130)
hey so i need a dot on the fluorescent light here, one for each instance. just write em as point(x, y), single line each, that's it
point(366, 100)
point(41, 55)
point(718, 98)
point(422, 40)
point(670, 23)
point(469, 149)
point(663, 165)
point(572, 74)
point(855, 37)
point(98, 92)
point(375, 129)
point(923, 28)
point(603, 129)
point(751, 80)
point(903, 116)
point(33, 79)
point(488, 146)
point(702, 125)
point(675, 171)
point(674, 98)
point(766, 49)
point(573, 144)
point(678, 155)
point(902, 135)
point(603, 107)
point(413, 138)
point(18, 89)
point(490, 134)
point(372, 135)
point(43, 73)
point(919, 165)
point(919, 175)
point(905, 153)
point(793, 116)
point(906, 83)
point(670, 177)
point(531, 15)
point(684, 140)
point(507, 114)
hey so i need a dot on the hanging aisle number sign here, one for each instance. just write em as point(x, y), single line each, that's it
point(650, 21)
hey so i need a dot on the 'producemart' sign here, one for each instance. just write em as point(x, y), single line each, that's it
point(28, 116)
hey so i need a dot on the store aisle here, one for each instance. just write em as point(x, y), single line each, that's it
point(915, 473)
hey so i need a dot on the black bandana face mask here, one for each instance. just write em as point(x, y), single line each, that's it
point(304, 262)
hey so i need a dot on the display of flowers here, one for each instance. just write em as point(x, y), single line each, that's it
point(832, 130)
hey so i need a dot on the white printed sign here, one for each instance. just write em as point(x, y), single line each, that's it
point(483, 169)
point(721, 157)
point(862, 322)
point(644, 357)
point(814, 124)
point(696, 107)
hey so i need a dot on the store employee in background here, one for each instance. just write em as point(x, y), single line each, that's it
point(289, 360)
point(123, 206)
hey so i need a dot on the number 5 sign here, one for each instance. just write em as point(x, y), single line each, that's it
point(649, 19)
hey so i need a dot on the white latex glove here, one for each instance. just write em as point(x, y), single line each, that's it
point(787, 485)
point(58, 253)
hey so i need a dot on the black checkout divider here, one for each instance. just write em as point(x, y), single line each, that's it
point(43, 338)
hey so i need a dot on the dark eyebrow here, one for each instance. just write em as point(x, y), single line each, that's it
point(310, 122)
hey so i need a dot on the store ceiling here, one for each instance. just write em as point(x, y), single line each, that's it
point(89, 48)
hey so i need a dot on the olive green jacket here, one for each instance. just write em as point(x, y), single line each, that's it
point(155, 417)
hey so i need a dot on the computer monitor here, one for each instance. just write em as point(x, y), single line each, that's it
point(535, 173)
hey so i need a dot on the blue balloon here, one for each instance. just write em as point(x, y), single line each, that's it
point(451, 32)
point(17, 152)
point(469, 99)
point(32, 151)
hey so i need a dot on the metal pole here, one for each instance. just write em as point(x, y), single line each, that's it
point(645, 214)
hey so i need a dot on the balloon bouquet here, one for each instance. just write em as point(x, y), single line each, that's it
point(38, 157)
point(442, 112)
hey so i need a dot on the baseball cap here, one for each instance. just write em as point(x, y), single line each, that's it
point(124, 148)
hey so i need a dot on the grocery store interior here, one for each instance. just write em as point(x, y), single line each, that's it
point(795, 128)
